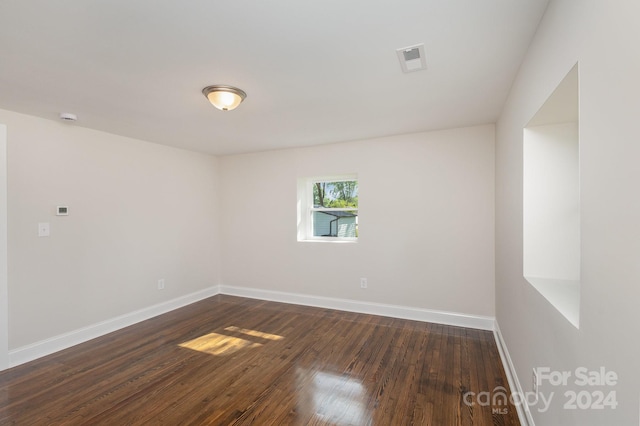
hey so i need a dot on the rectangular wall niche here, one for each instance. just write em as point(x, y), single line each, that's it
point(551, 196)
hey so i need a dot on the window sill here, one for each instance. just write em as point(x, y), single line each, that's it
point(328, 241)
point(564, 295)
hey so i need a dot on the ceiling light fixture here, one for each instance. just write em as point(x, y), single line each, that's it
point(224, 98)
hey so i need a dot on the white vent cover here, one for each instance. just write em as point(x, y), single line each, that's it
point(412, 58)
point(67, 116)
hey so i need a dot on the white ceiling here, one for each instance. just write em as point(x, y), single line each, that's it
point(314, 71)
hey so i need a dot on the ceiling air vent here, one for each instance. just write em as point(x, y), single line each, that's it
point(412, 58)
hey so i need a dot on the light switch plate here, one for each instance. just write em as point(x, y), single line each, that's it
point(43, 229)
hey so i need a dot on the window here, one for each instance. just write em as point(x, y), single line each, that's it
point(328, 209)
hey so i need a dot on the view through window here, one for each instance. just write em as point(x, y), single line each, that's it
point(334, 212)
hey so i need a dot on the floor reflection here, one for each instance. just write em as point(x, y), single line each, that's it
point(332, 398)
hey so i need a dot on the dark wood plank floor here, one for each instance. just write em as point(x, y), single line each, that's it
point(236, 361)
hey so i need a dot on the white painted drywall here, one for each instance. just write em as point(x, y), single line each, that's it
point(603, 38)
point(426, 221)
point(4, 305)
point(551, 202)
point(138, 212)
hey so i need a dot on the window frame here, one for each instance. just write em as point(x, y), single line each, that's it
point(306, 208)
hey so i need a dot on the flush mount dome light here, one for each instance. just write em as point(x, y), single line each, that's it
point(224, 98)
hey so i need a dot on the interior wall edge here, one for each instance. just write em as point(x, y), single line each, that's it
point(4, 281)
point(512, 377)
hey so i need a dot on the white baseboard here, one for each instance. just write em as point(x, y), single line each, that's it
point(417, 314)
point(57, 343)
point(524, 414)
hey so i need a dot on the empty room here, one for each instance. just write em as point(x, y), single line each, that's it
point(328, 213)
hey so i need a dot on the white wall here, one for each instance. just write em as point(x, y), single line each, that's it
point(603, 37)
point(4, 304)
point(138, 212)
point(426, 221)
point(551, 202)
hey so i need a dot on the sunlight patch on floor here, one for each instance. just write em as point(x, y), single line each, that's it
point(218, 344)
point(255, 333)
point(223, 344)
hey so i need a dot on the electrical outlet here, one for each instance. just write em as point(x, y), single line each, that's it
point(161, 284)
point(534, 381)
point(363, 283)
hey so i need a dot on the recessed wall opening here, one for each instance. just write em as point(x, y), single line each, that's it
point(551, 197)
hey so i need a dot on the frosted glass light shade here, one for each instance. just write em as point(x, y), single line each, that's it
point(225, 98)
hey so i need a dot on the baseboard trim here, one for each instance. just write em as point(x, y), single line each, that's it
point(524, 414)
point(57, 343)
point(63, 341)
point(403, 312)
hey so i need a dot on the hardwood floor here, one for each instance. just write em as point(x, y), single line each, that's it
point(235, 361)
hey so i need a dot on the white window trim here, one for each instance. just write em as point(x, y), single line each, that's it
point(306, 209)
